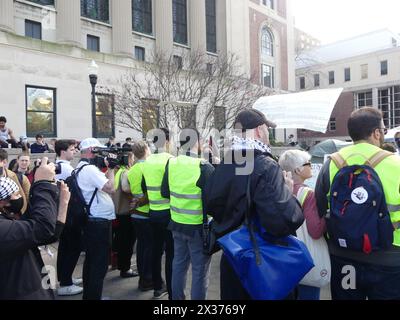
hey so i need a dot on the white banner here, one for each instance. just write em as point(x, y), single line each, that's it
point(309, 110)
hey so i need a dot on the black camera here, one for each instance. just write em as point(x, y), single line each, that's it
point(39, 161)
point(115, 157)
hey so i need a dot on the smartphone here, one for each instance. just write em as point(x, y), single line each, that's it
point(1, 171)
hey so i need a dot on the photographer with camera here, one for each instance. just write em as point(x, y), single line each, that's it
point(97, 189)
point(21, 276)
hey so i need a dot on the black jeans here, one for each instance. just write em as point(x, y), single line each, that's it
point(371, 281)
point(144, 247)
point(97, 241)
point(162, 239)
point(69, 250)
point(125, 238)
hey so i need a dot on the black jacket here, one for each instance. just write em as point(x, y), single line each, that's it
point(278, 210)
point(20, 263)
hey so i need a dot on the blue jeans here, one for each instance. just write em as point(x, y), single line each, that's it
point(308, 293)
point(189, 250)
point(371, 281)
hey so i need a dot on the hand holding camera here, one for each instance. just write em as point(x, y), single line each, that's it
point(45, 171)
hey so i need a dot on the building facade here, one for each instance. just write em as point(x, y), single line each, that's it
point(46, 47)
point(367, 67)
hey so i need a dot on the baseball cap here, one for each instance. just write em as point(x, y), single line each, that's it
point(7, 188)
point(90, 143)
point(251, 119)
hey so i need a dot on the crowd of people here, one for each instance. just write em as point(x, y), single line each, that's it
point(159, 202)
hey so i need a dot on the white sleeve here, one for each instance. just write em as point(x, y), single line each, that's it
point(95, 176)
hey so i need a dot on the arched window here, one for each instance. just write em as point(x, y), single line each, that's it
point(267, 42)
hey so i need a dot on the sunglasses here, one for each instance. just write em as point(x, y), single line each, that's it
point(385, 131)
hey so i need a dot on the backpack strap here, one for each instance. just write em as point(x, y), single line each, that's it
point(339, 161)
point(76, 172)
point(378, 157)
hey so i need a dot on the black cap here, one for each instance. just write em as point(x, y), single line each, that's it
point(251, 119)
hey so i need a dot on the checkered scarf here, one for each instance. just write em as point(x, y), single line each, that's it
point(7, 188)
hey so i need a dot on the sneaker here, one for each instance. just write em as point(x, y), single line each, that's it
point(69, 291)
point(158, 294)
point(77, 281)
point(128, 274)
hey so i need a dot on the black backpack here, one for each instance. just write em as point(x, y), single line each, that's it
point(78, 209)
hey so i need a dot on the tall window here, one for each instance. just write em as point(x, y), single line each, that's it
point(211, 25)
point(363, 99)
point(179, 13)
point(33, 29)
point(267, 76)
point(140, 54)
point(316, 80)
point(142, 18)
point(40, 111)
point(267, 43)
point(347, 74)
point(93, 43)
point(96, 10)
point(332, 124)
point(104, 125)
point(302, 83)
point(150, 115)
point(219, 118)
point(389, 104)
point(178, 62)
point(43, 2)
point(384, 68)
point(331, 77)
point(364, 71)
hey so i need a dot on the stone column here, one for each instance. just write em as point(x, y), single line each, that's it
point(197, 20)
point(121, 11)
point(7, 15)
point(375, 98)
point(69, 22)
point(163, 26)
point(222, 45)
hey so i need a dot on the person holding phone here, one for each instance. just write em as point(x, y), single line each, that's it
point(21, 266)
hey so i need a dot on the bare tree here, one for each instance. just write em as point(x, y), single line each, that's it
point(183, 92)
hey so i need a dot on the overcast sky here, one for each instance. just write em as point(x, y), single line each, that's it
point(332, 20)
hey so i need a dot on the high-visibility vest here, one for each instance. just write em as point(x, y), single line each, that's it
point(388, 171)
point(185, 195)
point(135, 176)
point(153, 172)
point(117, 177)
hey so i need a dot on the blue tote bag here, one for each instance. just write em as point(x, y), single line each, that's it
point(269, 268)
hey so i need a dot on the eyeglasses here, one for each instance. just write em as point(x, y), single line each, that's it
point(385, 131)
point(307, 164)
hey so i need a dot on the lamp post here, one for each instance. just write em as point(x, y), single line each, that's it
point(93, 72)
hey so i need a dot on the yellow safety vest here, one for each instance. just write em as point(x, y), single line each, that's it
point(153, 171)
point(135, 176)
point(388, 171)
point(185, 196)
point(117, 177)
